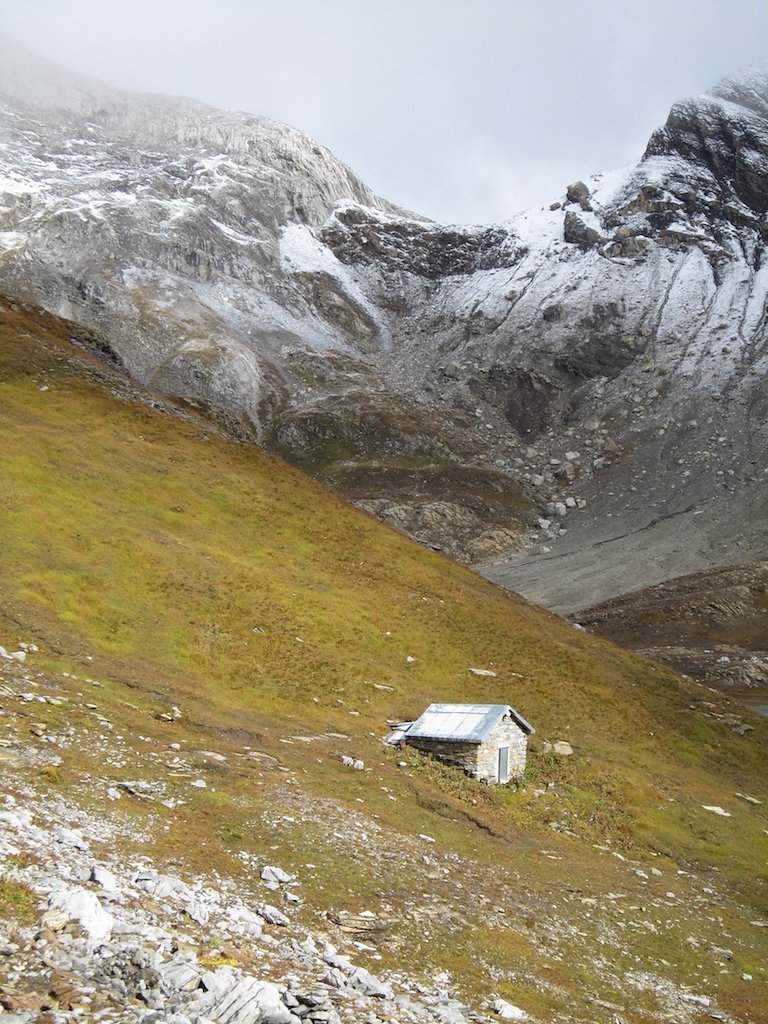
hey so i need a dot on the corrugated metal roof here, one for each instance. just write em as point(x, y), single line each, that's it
point(465, 723)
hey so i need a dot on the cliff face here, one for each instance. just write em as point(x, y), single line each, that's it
point(597, 366)
point(156, 221)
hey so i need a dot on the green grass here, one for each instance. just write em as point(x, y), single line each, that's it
point(17, 902)
point(197, 571)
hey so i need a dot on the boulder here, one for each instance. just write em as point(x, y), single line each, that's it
point(84, 907)
point(246, 921)
point(181, 973)
point(578, 233)
point(508, 1011)
point(272, 874)
point(352, 762)
point(19, 656)
point(272, 915)
point(334, 978)
point(257, 755)
point(230, 999)
point(333, 958)
point(577, 192)
point(198, 911)
point(369, 984)
point(70, 837)
point(163, 886)
point(560, 746)
point(103, 876)
point(55, 920)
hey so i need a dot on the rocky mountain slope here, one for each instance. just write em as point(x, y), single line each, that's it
point(586, 381)
point(193, 638)
point(712, 626)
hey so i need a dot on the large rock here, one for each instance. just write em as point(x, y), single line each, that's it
point(275, 876)
point(233, 999)
point(579, 233)
point(508, 1011)
point(370, 985)
point(84, 907)
point(164, 886)
point(272, 915)
point(578, 192)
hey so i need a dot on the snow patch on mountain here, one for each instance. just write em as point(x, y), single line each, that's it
point(302, 253)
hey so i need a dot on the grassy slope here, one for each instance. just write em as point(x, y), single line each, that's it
point(195, 571)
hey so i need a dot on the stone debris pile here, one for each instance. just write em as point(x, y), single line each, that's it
point(119, 943)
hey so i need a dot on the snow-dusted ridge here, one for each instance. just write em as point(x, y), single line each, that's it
point(231, 260)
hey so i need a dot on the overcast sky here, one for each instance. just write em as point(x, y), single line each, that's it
point(462, 110)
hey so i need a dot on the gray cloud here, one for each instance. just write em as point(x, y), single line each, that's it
point(463, 110)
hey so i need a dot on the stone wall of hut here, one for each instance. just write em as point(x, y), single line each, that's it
point(460, 755)
point(480, 759)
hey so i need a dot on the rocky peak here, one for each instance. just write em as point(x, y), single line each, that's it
point(748, 89)
point(75, 107)
point(722, 139)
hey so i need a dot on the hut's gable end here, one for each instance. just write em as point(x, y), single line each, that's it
point(506, 733)
point(460, 755)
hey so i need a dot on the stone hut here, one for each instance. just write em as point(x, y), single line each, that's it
point(489, 741)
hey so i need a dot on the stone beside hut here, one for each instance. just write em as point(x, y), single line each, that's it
point(488, 741)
